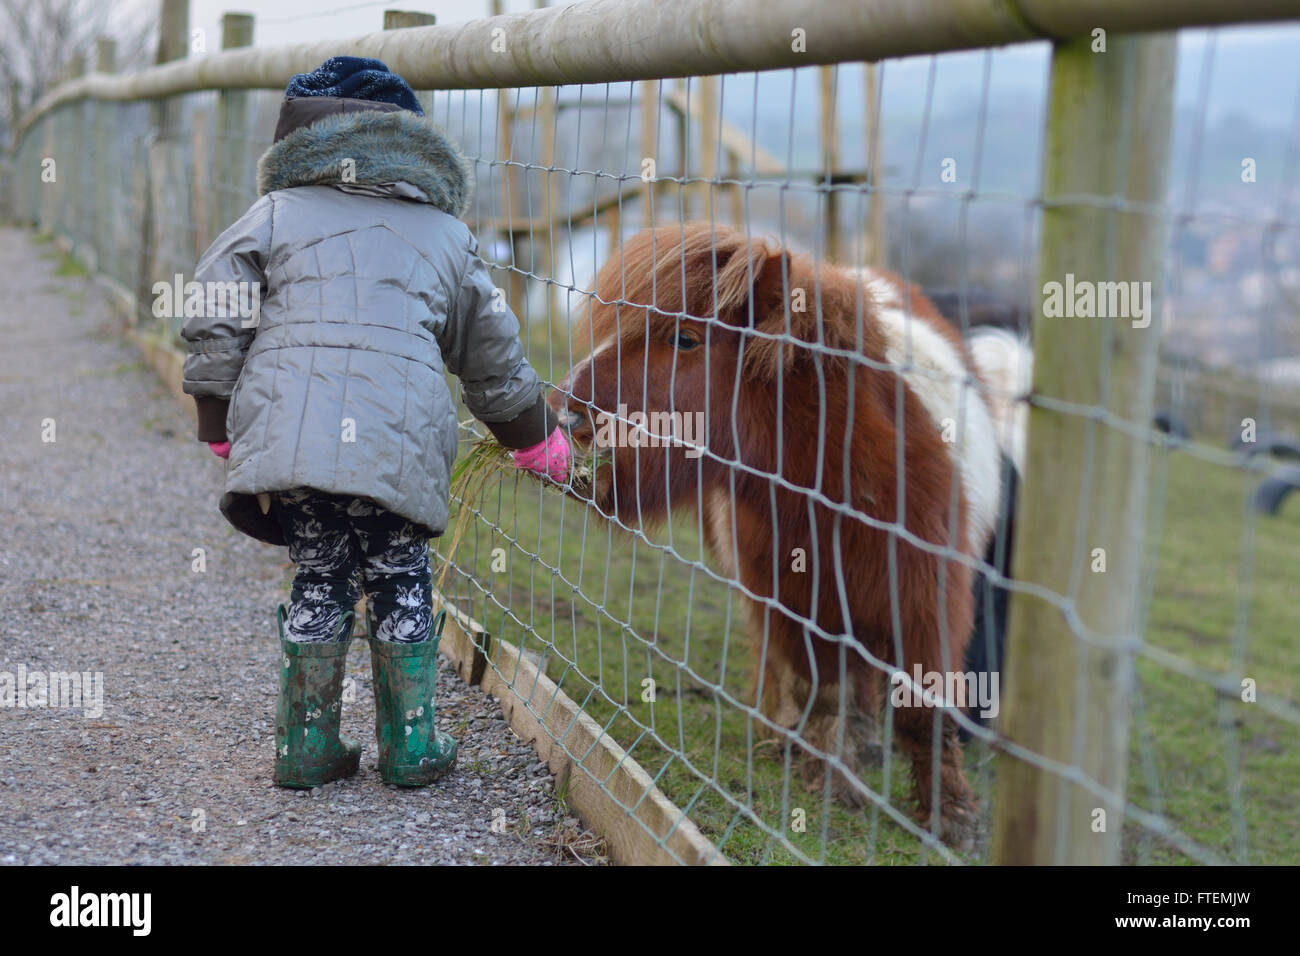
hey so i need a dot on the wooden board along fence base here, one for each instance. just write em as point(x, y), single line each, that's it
point(609, 790)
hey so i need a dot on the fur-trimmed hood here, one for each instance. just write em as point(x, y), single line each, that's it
point(386, 147)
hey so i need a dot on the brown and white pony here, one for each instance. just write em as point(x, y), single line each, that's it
point(811, 380)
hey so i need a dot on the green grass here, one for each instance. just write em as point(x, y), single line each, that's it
point(1199, 743)
point(622, 609)
point(70, 267)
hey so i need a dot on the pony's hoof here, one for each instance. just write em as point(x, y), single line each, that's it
point(959, 825)
point(959, 822)
point(842, 788)
point(846, 794)
point(960, 832)
point(864, 738)
point(873, 754)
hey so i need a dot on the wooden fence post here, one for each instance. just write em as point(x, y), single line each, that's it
point(103, 221)
point(1083, 498)
point(830, 158)
point(707, 146)
point(46, 204)
point(875, 245)
point(77, 158)
point(516, 282)
point(162, 231)
point(400, 20)
point(173, 44)
point(543, 261)
point(17, 196)
point(649, 146)
point(233, 188)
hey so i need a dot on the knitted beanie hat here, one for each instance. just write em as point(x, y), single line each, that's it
point(355, 77)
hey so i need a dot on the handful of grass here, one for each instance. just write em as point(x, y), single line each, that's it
point(487, 459)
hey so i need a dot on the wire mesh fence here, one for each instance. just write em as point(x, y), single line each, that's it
point(762, 303)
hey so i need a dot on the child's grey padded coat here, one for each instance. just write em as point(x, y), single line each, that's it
point(367, 289)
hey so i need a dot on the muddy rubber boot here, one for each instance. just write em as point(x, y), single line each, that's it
point(309, 750)
point(412, 751)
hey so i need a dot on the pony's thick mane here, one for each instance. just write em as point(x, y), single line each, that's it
point(706, 272)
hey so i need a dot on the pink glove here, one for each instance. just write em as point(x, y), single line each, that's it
point(220, 448)
point(549, 458)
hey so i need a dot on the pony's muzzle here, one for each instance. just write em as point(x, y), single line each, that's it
point(569, 419)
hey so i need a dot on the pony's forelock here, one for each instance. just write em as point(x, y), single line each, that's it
point(641, 289)
point(715, 274)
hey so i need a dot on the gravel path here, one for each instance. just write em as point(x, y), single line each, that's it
point(97, 542)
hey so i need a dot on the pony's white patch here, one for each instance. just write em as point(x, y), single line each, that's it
point(717, 512)
point(886, 292)
point(880, 287)
point(566, 384)
point(936, 374)
point(1007, 365)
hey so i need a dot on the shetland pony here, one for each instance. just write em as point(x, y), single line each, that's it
point(829, 396)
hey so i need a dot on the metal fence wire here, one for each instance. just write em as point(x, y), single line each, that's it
point(815, 479)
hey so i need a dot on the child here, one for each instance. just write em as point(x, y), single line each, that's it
point(332, 406)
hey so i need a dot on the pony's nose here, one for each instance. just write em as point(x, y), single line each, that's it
point(559, 402)
point(559, 397)
point(575, 384)
point(568, 418)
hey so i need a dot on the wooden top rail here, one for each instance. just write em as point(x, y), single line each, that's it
point(605, 41)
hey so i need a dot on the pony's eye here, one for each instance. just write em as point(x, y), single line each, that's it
point(685, 341)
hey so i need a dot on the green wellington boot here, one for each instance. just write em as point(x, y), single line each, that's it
point(412, 752)
point(309, 750)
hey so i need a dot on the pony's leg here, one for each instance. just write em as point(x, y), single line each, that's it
point(859, 715)
point(781, 658)
point(785, 698)
point(784, 691)
point(778, 692)
point(870, 684)
point(958, 809)
point(841, 722)
point(849, 731)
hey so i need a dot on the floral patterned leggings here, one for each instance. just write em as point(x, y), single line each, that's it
point(342, 544)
